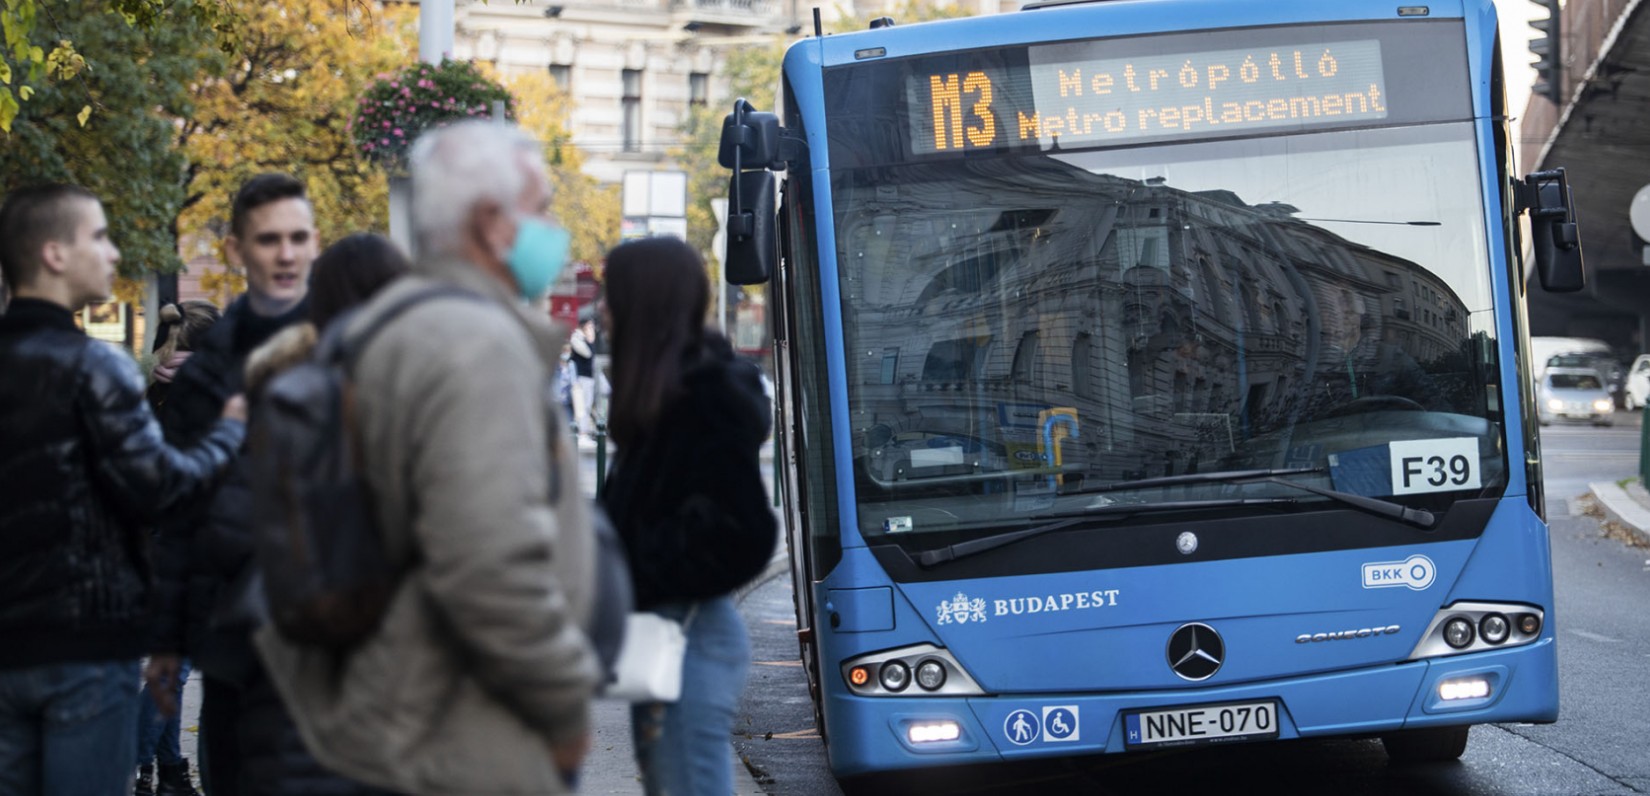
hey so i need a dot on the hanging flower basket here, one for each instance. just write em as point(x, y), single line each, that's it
point(395, 108)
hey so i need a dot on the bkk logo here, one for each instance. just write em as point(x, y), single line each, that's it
point(1416, 572)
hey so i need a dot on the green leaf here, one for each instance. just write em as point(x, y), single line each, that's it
point(85, 113)
point(8, 110)
point(5, 73)
point(24, 92)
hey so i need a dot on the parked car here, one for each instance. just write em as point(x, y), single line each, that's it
point(1608, 367)
point(1638, 383)
point(1574, 394)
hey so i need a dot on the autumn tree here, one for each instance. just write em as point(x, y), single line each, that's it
point(42, 48)
point(282, 102)
point(124, 152)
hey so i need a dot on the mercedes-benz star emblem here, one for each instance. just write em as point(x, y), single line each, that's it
point(1196, 651)
point(1186, 543)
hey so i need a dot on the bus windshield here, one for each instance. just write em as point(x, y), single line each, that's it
point(1029, 332)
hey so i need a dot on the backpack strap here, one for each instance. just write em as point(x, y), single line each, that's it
point(339, 345)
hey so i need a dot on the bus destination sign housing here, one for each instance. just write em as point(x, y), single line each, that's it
point(1059, 96)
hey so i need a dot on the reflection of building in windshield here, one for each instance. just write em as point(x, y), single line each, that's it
point(1175, 324)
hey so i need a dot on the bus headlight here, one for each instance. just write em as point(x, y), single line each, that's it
point(1464, 688)
point(896, 676)
point(933, 732)
point(1494, 628)
point(931, 675)
point(1476, 627)
point(890, 673)
point(1458, 633)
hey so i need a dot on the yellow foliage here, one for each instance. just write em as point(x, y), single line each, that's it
point(283, 104)
point(223, 286)
point(128, 290)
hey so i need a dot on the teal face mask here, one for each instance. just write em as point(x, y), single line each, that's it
point(537, 256)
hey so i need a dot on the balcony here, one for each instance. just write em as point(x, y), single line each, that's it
point(734, 13)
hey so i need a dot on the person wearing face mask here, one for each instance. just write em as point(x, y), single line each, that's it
point(479, 678)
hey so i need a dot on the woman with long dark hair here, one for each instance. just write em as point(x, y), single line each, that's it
point(688, 419)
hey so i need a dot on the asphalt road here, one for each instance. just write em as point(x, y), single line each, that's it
point(1600, 745)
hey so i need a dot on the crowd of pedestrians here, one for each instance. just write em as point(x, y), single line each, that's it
point(127, 531)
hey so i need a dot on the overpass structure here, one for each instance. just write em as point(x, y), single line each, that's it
point(1590, 113)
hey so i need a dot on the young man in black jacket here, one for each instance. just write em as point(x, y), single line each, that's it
point(204, 593)
point(83, 468)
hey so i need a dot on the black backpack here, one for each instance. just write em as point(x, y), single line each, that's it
point(327, 579)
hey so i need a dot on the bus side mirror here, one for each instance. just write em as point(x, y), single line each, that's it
point(1555, 236)
point(751, 256)
point(750, 140)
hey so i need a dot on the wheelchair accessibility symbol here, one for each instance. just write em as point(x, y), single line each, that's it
point(1021, 727)
point(1060, 723)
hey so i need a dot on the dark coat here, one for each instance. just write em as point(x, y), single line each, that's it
point(83, 468)
point(204, 550)
point(689, 502)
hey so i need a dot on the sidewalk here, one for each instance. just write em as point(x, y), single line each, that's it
point(1627, 505)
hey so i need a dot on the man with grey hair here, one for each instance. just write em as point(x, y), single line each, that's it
point(479, 678)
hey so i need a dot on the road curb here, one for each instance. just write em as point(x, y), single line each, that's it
point(1622, 508)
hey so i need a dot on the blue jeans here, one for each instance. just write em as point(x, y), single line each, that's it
point(157, 735)
point(685, 748)
point(67, 728)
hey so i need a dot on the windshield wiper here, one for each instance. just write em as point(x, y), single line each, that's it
point(1420, 518)
point(1115, 511)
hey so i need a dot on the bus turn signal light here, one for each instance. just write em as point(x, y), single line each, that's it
point(859, 675)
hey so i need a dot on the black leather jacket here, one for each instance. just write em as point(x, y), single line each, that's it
point(83, 468)
point(204, 552)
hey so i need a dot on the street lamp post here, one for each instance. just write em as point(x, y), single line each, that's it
point(435, 42)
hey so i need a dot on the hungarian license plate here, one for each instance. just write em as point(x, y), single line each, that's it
point(1236, 721)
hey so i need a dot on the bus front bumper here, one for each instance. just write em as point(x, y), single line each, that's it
point(900, 733)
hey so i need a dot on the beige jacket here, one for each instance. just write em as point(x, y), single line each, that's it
point(481, 661)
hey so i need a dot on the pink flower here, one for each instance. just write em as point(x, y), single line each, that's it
point(399, 134)
point(384, 141)
point(386, 124)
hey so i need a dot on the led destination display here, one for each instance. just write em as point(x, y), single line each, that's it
point(1073, 101)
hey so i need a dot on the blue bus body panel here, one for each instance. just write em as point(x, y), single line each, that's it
point(1097, 663)
point(1108, 630)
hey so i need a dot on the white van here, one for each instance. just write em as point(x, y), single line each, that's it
point(1638, 383)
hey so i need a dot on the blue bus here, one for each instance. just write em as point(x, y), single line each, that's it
point(1153, 373)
